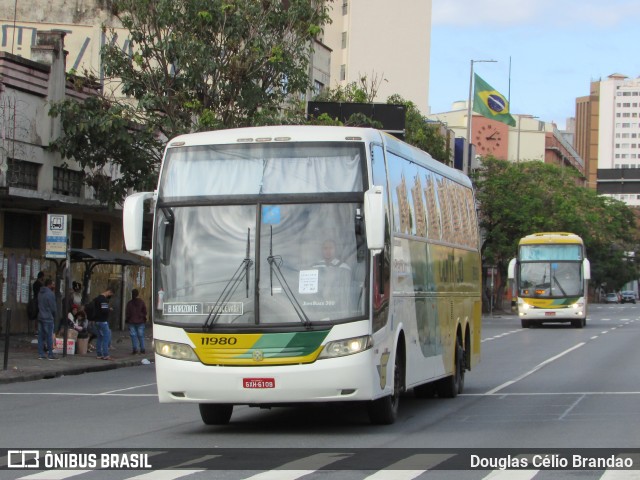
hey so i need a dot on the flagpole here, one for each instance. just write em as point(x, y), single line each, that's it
point(466, 166)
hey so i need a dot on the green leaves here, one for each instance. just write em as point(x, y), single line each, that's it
point(188, 65)
point(517, 199)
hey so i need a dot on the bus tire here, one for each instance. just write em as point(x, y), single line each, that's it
point(579, 323)
point(452, 385)
point(384, 411)
point(525, 323)
point(216, 413)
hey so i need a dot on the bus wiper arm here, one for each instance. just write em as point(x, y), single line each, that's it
point(229, 289)
point(559, 286)
point(274, 263)
point(274, 266)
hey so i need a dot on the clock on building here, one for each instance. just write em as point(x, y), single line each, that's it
point(487, 139)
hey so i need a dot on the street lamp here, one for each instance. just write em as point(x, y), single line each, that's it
point(466, 166)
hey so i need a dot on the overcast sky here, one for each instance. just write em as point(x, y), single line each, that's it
point(556, 48)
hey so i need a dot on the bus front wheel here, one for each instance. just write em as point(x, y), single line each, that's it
point(384, 411)
point(216, 413)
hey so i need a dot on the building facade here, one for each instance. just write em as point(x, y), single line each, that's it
point(36, 182)
point(530, 139)
point(608, 136)
point(388, 44)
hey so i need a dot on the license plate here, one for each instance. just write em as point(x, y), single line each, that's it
point(259, 382)
point(550, 314)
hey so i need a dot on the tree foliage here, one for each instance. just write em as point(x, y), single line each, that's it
point(421, 133)
point(191, 65)
point(518, 199)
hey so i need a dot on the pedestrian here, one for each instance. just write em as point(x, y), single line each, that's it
point(102, 309)
point(47, 310)
point(38, 284)
point(32, 306)
point(136, 316)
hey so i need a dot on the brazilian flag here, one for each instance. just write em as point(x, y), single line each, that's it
point(490, 103)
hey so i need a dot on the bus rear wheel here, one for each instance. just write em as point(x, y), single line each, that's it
point(451, 386)
point(216, 413)
point(384, 411)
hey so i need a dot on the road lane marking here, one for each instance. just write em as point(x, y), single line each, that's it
point(165, 474)
point(534, 369)
point(571, 407)
point(54, 475)
point(511, 474)
point(405, 469)
point(290, 471)
point(71, 394)
point(128, 388)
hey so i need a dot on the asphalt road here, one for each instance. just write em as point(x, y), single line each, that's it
point(554, 387)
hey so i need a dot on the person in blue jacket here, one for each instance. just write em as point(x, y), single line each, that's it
point(47, 311)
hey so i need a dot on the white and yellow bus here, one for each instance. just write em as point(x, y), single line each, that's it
point(551, 274)
point(297, 264)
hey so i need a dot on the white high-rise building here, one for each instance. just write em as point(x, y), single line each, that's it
point(619, 145)
point(388, 42)
point(608, 136)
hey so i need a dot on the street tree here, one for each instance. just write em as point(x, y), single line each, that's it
point(518, 199)
point(190, 65)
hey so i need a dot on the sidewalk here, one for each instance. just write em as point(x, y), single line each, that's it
point(24, 365)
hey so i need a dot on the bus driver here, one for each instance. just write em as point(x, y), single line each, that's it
point(334, 277)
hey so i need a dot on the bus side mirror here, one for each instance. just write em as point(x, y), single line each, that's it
point(511, 271)
point(132, 221)
point(374, 218)
point(586, 267)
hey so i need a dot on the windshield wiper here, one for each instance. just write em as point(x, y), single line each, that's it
point(232, 285)
point(274, 264)
point(559, 286)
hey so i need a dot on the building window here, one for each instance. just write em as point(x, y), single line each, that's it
point(343, 72)
point(67, 182)
point(344, 40)
point(22, 230)
point(23, 174)
point(77, 233)
point(100, 235)
point(345, 8)
point(318, 87)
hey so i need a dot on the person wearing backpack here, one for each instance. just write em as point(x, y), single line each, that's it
point(101, 305)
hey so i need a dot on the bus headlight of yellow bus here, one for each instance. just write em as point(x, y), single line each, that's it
point(348, 346)
point(177, 351)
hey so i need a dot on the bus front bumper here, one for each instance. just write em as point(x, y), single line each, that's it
point(349, 378)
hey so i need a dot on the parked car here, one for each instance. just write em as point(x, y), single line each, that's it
point(628, 296)
point(611, 298)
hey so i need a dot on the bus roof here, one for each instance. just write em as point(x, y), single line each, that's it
point(316, 133)
point(550, 237)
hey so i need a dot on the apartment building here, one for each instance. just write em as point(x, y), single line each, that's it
point(608, 136)
point(388, 42)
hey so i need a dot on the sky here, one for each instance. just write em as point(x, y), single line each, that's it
point(548, 51)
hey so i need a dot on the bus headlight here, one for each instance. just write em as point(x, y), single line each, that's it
point(177, 351)
point(348, 346)
point(578, 305)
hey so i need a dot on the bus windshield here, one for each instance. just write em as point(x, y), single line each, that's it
point(259, 169)
point(551, 279)
point(261, 262)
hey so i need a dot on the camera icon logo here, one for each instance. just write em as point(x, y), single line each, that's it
point(23, 459)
